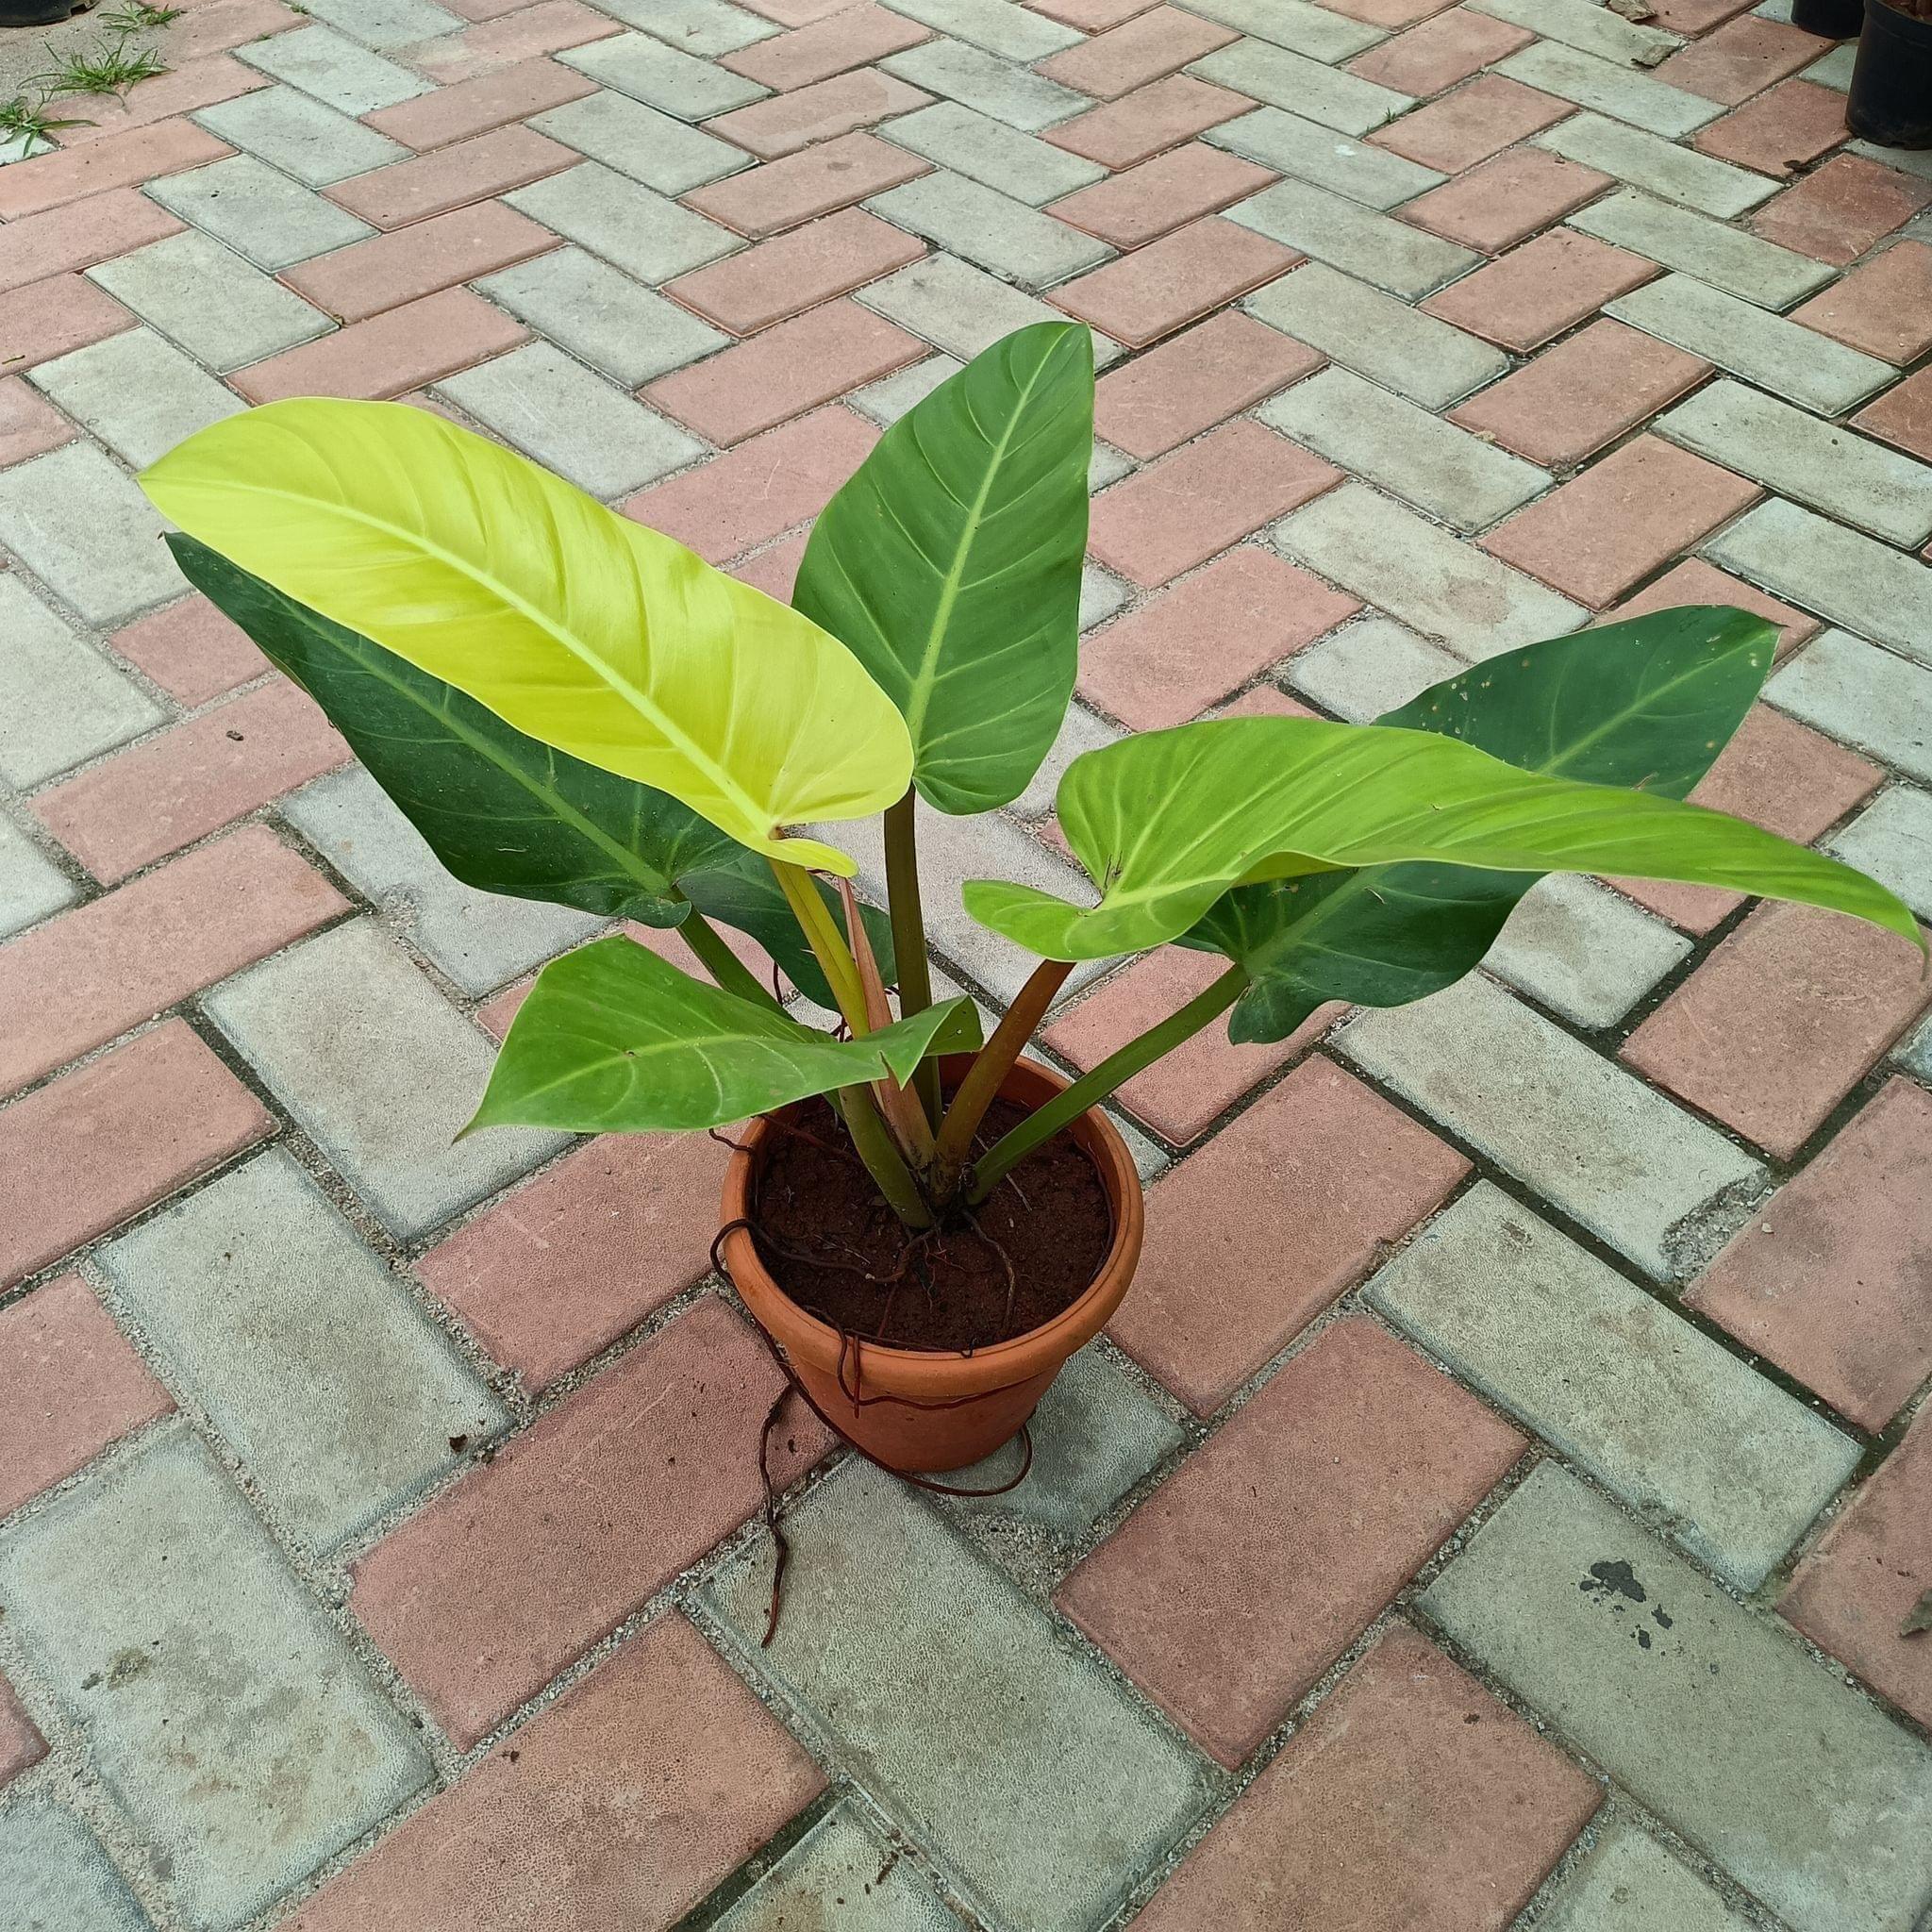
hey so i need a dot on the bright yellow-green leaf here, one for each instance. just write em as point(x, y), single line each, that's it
point(576, 625)
point(1166, 822)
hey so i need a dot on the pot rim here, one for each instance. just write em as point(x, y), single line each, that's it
point(1072, 1328)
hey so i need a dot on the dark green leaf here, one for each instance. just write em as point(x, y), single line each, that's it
point(502, 812)
point(950, 563)
point(1648, 703)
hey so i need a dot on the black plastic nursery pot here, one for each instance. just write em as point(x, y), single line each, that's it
point(1890, 100)
point(39, 12)
point(1831, 20)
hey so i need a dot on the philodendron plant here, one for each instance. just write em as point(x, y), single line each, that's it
point(577, 708)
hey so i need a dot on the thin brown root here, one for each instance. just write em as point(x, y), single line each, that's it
point(781, 1125)
point(781, 1548)
point(1006, 1262)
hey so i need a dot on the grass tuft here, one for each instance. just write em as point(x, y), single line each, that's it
point(138, 16)
point(29, 123)
point(109, 68)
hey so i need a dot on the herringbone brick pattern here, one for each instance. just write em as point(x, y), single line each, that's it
point(1501, 1493)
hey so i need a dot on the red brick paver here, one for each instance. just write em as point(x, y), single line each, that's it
point(1192, 381)
point(485, 1596)
point(190, 780)
point(77, 235)
point(28, 426)
point(1782, 1021)
point(191, 650)
point(1146, 49)
point(1779, 131)
point(1189, 506)
point(568, 1264)
point(1502, 202)
point(113, 1137)
point(1282, 1211)
point(390, 354)
point(120, 160)
point(795, 271)
point(748, 496)
point(1539, 289)
point(817, 181)
point(80, 979)
point(1582, 393)
point(852, 37)
point(1171, 282)
point(790, 369)
point(76, 1386)
point(1492, 112)
point(1902, 415)
point(21, 1743)
point(1837, 213)
point(1140, 204)
point(387, 271)
point(1225, 1597)
point(1829, 1280)
point(1433, 56)
point(475, 106)
point(1854, 1595)
point(843, 105)
point(1413, 1798)
point(1186, 649)
point(1145, 123)
point(1739, 60)
point(1883, 306)
point(625, 1803)
point(1596, 537)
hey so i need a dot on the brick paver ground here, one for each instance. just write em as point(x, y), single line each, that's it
point(1505, 1491)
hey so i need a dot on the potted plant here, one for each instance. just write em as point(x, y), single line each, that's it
point(576, 709)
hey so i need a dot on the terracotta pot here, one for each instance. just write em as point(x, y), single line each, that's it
point(986, 1395)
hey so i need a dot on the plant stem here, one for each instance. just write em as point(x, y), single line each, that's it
point(831, 952)
point(883, 1161)
point(870, 1140)
point(909, 936)
point(990, 1066)
point(1093, 1088)
point(720, 962)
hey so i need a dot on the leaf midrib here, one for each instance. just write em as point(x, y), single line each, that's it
point(753, 808)
point(627, 858)
point(919, 694)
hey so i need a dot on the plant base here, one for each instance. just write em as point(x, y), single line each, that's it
point(920, 1410)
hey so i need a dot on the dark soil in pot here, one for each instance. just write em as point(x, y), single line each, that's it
point(837, 1251)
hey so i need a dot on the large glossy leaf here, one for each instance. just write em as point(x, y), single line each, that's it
point(1649, 703)
point(503, 813)
point(950, 562)
point(614, 1039)
point(577, 626)
point(1166, 822)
